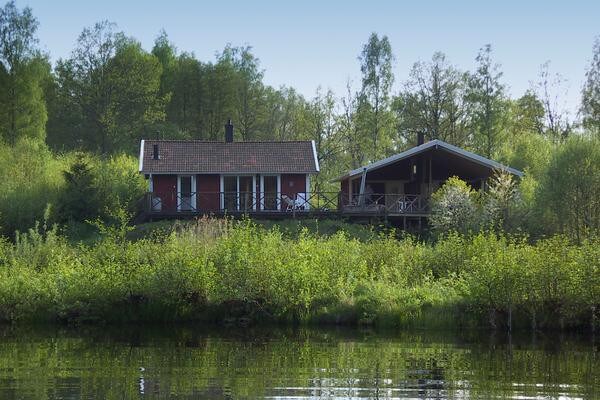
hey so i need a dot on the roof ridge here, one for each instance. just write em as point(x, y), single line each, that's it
point(224, 142)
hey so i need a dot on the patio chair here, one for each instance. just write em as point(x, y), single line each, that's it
point(300, 203)
point(288, 202)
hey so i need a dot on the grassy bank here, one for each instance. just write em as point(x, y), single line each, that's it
point(242, 273)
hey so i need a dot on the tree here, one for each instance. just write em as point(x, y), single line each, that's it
point(503, 208)
point(350, 130)
point(109, 89)
point(526, 115)
point(570, 189)
point(134, 104)
point(321, 126)
point(79, 200)
point(433, 103)
point(486, 98)
point(550, 90)
point(374, 102)
point(23, 75)
point(590, 99)
point(249, 101)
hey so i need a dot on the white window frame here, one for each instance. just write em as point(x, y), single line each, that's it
point(193, 200)
point(237, 197)
point(277, 194)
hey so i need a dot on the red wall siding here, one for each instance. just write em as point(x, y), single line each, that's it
point(291, 184)
point(165, 187)
point(208, 188)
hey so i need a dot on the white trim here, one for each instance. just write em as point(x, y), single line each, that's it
point(253, 192)
point(141, 161)
point(435, 144)
point(177, 197)
point(194, 204)
point(221, 192)
point(193, 190)
point(277, 191)
point(262, 192)
point(314, 149)
point(237, 196)
point(237, 193)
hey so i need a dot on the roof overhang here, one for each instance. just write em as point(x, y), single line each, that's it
point(434, 144)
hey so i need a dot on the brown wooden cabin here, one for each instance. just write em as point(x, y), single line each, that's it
point(402, 184)
point(203, 177)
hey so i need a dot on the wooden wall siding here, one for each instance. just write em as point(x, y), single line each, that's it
point(292, 184)
point(208, 187)
point(165, 187)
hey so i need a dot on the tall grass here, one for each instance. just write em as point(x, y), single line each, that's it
point(240, 272)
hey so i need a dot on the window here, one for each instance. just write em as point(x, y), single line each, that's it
point(238, 192)
point(270, 187)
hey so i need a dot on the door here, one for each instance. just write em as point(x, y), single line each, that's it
point(246, 193)
point(186, 199)
point(269, 193)
point(230, 197)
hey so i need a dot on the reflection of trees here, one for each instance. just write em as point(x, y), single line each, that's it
point(187, 362)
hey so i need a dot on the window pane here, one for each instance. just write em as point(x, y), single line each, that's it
point(246, 193)
point(270, 193)
point(230, 195)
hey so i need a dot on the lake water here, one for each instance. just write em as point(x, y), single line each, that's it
point(191, 362)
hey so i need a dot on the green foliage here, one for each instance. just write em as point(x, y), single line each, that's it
point(454, 206)
point(23, 76)
point(485, 96)
point(503, 207)
point(223, 270)
point(570, 189)
point(590, 99)
point(30, 180)
point(79, 200)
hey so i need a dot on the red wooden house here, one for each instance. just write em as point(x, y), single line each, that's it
point(193, 176)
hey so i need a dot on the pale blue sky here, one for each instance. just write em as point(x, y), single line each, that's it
point(305, 44)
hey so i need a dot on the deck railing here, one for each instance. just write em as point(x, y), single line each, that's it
point(250, 202)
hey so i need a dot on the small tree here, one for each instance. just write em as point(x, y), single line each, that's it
point(454, 207)
point(79, 200)
point(503, 207)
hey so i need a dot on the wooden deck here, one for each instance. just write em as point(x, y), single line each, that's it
point(318, 205)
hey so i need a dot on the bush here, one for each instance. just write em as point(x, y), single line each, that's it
point(454, 207)
point(225, 270)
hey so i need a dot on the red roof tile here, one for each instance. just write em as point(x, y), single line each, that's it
point(195, 156)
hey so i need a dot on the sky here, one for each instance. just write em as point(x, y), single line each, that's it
point(306, 44)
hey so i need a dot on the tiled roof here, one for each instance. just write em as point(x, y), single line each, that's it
point(195, 156)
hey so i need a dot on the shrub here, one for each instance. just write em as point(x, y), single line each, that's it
point(454, 207)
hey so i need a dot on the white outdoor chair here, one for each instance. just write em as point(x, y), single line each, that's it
point(300, 202)
point(288, 202)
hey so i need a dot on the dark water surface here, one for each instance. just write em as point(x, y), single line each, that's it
point(193, 362)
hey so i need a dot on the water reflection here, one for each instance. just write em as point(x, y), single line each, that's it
point(192, 362)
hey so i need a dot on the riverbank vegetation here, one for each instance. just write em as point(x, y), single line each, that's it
point(238, 272)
